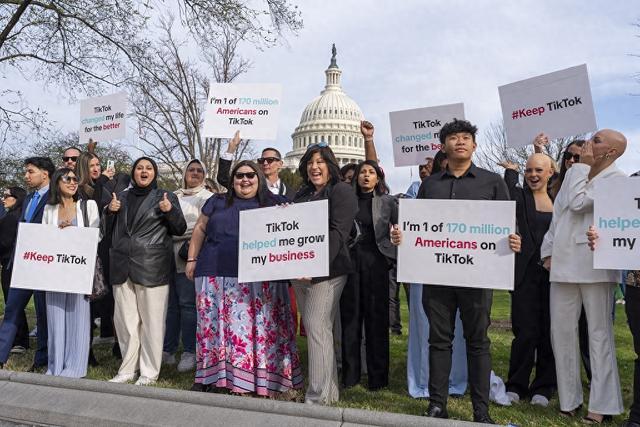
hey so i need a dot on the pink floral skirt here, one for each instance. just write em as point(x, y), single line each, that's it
point(245, 339)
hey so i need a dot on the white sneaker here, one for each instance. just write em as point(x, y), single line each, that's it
point(168, 358)
point(539, 400)
point(513, 397)
point(145, 381)
point(187, 362)
point(18, 349)
point(123, 378)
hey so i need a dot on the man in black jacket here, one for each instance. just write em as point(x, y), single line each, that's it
point(38, 171)
point(270, 163)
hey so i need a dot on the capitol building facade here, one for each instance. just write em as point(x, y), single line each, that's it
point(332, 117)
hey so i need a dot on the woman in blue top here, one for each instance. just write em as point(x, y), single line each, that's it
point(245, 338)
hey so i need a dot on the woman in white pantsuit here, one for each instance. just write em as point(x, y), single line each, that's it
point(68, 314)
point(575, 283)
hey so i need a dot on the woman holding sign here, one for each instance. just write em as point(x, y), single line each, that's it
point(142, 219)
point(365, 298)
point(245, 333)
point(68, 315)
point(318, 298)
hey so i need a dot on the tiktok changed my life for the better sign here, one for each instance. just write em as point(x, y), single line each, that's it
point(457, 243)
point(284, 242)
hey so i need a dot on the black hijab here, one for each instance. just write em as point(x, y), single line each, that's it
point(136, 194)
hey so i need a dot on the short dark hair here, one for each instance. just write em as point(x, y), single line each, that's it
point(381, 187)
point(54, 191)
point(43, 163)
point(457, 126)
point(346, 168)
point(73, 147)
point(272, 149)
point(327, 155)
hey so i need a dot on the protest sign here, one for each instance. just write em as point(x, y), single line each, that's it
point(457, 243)
point(415, 133)
point(253, 109)
point(284, 242)
point(103, 118)
point(49, 258)
point(558, 104)
point(616, 216)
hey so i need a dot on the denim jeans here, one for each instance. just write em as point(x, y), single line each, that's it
point(181, 315)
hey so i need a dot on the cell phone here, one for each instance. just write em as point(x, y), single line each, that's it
point(111, 164)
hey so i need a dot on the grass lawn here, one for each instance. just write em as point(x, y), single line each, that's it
point(395, 398)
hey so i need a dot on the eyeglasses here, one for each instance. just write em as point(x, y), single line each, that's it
point(69, 179)
point(248, 175)
point(317, 145)
point(568, 156)
point(269, 160)
point(70, 158)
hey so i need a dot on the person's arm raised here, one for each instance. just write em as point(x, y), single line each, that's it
point(367, 130)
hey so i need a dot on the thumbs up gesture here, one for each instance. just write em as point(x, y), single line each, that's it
point(165, 205)
point(114, 205)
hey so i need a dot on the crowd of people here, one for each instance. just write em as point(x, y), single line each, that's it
point(170, 260)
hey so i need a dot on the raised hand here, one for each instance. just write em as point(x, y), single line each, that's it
point(509, 165)
point(114, 205)
point(91, 146)
point(540, 142)
point(165, 205)
point(234, 143)
point(366, 128)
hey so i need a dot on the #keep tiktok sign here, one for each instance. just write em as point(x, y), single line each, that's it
point(457, 243)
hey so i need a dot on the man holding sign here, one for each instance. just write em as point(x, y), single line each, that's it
point(461, 180)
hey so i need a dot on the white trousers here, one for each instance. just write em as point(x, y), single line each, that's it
point(566, 301)
point(139, 319)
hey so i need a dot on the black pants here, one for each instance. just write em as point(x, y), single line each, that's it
point(632, 306)
point(531, 345)
point(365, 298)
point(22, 335)
point(440, 304)
point(395, 323)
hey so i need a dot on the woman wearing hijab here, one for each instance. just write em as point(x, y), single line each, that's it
point(12, 200)
point(246, 334)
point(181, 314)
point(68, 314)
point(143, 220)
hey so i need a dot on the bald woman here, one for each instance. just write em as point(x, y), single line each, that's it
point(576, 284)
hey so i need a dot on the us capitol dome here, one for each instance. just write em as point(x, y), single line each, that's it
point(332, 117)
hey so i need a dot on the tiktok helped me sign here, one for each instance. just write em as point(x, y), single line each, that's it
point(558, 104)
point(457, 243)
point(284, 242)
point(49, 258)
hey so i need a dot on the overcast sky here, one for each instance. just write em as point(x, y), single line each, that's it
point(397, 55)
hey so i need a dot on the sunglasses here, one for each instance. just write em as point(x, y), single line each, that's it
point(248, 175)
point(70, 158)
point(69, 179)
point(568, 156)
point(269, 160)
point(317, 145)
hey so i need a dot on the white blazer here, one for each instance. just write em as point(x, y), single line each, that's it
point(566, 241)
point(50, 215)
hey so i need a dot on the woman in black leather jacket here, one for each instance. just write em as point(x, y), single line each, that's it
point(143, 218)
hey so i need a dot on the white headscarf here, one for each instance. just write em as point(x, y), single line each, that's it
point(184, 191)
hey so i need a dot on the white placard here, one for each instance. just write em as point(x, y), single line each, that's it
point(457, 243)
point(558, 104)
point(415, 133)
point(103, 118)
point(280, 243)
point(616, 216)
point(49, 258)
point(253, 109)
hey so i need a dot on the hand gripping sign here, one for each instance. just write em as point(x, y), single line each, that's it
point(49, 258)
point(558, 104)
point(284, 242)
point(457, 243)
